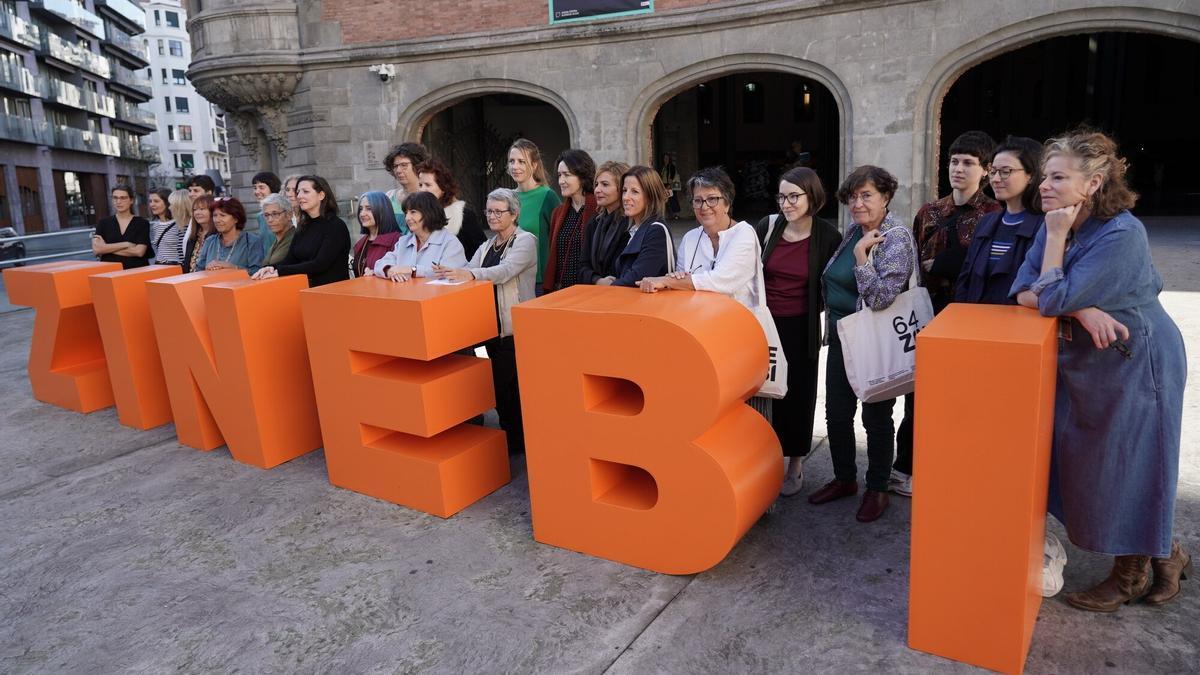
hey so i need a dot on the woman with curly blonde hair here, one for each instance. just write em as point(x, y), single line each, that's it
point(1121, 370)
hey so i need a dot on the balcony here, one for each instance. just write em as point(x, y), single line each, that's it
point(133, 80)
point(127, 46)
point(19, 30)
point(74, 55)
point(132, 148)
point(62, 93)
point(19, 79)
point(132, 114)
point(150, 154)
point(66, 10)
point(99, 104)
point(125, 12)
point(84, 140)
point(22, 129)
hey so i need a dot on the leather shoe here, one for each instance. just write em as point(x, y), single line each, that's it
point(834, 489)
point(874, 503)
point(1167, 573)
point(1129, 580)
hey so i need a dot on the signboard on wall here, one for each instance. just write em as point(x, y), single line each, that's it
point(579, 10)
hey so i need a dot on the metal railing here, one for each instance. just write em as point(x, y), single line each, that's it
point(125, 9)
point(15, 28)
point(20, 79)
point(100, 104)
point(23, 129)
point(127, 43)
point(8, 241)
point(135, 79)
point(131, 112)
point(85, 140)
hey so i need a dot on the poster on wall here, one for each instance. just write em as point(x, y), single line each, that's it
point(562, 11)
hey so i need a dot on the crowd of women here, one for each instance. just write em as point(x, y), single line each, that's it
point(1057, 237)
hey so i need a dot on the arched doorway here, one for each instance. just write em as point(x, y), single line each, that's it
point(756, 125)
point(473, 135)
point(1142, 88)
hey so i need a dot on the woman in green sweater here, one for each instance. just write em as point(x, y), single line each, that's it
point(537, 200)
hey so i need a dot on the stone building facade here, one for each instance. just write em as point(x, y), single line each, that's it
point(295, 74)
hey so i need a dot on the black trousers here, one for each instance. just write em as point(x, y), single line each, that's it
point(503, 354)
point(793, 414)
point(840, 406)
point(904, 437)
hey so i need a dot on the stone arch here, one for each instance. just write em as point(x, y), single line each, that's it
point(943, 75)
point(652, 97)
point(418, 114)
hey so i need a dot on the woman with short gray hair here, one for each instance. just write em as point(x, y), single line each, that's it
point(509, 261)
point(277, 212)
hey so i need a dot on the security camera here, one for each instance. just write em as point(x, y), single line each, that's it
point(386, 71)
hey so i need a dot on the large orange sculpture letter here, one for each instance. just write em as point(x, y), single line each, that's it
point(235, 363)
point(639, 446)
point(974, 588)
point(393, 395)
point(66, 359)
point(123, 313)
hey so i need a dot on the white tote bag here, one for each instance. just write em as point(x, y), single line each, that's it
point(775, 386)
point(879, 348)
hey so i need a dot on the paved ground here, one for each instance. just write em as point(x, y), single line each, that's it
point(123, 551)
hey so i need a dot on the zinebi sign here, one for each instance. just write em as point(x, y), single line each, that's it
point(577, 10)
point(639, 445)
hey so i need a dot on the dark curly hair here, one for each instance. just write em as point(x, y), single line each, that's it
point(415, 152)
point(441, 174)
point(581, 165)
point(883, 180)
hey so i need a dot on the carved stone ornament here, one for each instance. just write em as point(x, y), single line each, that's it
point(255, 100)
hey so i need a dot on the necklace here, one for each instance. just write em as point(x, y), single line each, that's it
point(498, 246)
point(231, 247)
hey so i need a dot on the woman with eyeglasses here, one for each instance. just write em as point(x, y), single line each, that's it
point(380, 232)
point(199, 230)
point(321, 245)
point(509, 261)
point(871, 266)
point(123, 237)
point(1002, 238)
point(796, 244)
point(277, 212)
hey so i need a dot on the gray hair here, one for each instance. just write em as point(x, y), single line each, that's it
point(278, 199)
point(713, 177)
point(290, 178)
point(509, 197)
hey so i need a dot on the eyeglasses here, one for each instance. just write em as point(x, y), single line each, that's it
point(273, 214)
point(710, 202)
point(495, 213)
point(1003, 173)
point(793, 198)
point(403, 164)
point(862, 197)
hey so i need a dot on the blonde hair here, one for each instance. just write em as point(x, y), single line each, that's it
point(180, 206)
point(533, 156)
point(614, 169)
point(1096, 153)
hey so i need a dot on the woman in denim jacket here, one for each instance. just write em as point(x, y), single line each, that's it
point(852, 280)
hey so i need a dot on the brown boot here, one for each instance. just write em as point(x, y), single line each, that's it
point(1167, 573)
point(1128, 581)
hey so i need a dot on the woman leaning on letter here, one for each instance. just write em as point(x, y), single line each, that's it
point(1118, 406)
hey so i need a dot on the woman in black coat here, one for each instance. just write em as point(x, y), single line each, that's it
point(321, 245)
point(796, 245)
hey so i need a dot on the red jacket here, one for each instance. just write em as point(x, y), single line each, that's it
point(556, 221)
point(375, 249)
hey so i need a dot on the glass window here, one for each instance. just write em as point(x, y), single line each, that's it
point(179, 76)
point(170, 132)
point(161, 49)
point(181, 104)
point(176, 47)
point(186, 161)
point(167, 100)
point(164, 75)
point(185, 132)
point(172, 19)
point(157, 18)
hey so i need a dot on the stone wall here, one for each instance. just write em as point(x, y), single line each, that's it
point(888, 64)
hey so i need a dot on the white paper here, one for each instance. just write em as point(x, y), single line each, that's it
point(445, 282)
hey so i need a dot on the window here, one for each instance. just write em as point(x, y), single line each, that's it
point(161, 49)
point(167, 100)
point(181, 104)
point(157, 18)
point(170, 132)
point(179, 76)
point(185, 132)
point(172, 19)
point(176, 47)
point(184, 160)
point(164, 75)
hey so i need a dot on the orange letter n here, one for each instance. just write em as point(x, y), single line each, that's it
point(639, 445)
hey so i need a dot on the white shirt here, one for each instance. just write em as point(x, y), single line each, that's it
point(441, 248)
point(731, 269)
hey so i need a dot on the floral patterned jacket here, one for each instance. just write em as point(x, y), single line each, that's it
point(887, 271)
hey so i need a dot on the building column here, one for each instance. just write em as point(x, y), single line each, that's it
point(46, 191)
point(14, 197)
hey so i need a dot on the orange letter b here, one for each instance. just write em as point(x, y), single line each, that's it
point(639, 445)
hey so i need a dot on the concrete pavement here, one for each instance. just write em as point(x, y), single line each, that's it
point(124, 551)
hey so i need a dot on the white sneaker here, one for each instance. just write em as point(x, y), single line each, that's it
point(1054, 559)
point(900, 483)
point(792, 485)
